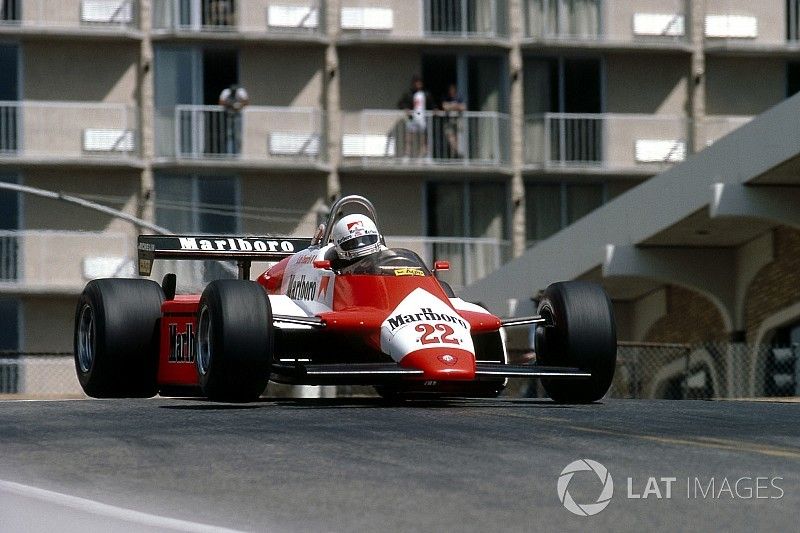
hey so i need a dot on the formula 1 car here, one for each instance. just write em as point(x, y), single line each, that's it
point(385, 320)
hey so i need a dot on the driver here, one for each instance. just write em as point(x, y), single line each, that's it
point(355, 236)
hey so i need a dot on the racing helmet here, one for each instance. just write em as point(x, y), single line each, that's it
point(355, 236)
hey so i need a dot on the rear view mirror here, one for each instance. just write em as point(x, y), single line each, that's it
point(441, 265)
point(323, 264)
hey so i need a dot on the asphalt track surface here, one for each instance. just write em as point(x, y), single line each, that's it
point(360, 465)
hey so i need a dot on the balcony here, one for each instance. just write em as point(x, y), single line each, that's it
point(603, 24)
point(68, 132)
point(268, 19)
point(619, 142)
point(417, 20)
point(470, 258)
point(79, 17)
point(468, 140)
point(61, 261)
point(259, 136)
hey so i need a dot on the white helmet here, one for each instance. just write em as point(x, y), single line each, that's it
point(355, 236)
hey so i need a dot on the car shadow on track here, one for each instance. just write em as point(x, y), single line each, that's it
point(369, 403)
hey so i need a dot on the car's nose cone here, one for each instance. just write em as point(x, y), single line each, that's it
point(442, 364)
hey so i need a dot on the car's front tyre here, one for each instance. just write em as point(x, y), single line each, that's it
point(235, 340)
point(580, 332)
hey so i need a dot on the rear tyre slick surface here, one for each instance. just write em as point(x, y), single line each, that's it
point(235, 340)
point(581, 333)
point(116, 338)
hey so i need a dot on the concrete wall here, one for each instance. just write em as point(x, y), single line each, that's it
point(771, 16)
point(81, 72)
point(743, 86)
point(282, 77)
point(397, 199)
point(407, 16)
point(661, 90)
point(618, 15)
point(293, 201)
point(121, 188)
point(369, 80)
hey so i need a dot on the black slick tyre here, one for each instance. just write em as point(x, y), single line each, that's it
point(580, 332)
point(116, 337)
point(235, 340)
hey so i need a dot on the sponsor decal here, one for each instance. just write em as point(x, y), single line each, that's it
point(425, 315)
point(448, 359)
point(235, 245)
point(300, 289)
point(147, 247)
point(323, 288)
point(358, 225)
point(182, 346)
point(408, 271)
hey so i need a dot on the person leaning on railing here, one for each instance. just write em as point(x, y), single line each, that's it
point(453, 106)
point(416, 102)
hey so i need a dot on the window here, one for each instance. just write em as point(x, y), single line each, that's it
point(469, 222)
point(10, 10)
point(464, 16)
point(9, 340)
point(578, 19)
point(9, 94)
point(9, 240)
point(207, 205)
point(793, 20)
point(551, 207)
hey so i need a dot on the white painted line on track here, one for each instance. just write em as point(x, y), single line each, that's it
point(110, 511)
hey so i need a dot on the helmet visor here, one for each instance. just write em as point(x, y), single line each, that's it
point(358, 242)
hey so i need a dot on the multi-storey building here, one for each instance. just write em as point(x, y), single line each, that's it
point(568, 104)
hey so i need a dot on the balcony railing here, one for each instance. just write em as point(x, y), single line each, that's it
point(280, 17)
point(470, 138)
point(470, 258)
point(88, 15)
point(604, 140)
point(611, 21)
point(257, 134)
point(419, 18)
point(63, 260)
point(67, 130)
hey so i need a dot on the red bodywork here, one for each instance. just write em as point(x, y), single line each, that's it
point(361, 304)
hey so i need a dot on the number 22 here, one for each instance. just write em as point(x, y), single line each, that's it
point(429, 334)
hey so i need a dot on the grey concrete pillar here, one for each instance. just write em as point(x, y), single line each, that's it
point(696, 10)
point(332, 100)
point(146, 110)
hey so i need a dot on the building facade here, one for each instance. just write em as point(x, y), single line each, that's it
point(567, 104)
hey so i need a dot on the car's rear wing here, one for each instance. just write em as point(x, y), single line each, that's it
point(244, 250)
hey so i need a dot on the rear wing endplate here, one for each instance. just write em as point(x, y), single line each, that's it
point(241, 249)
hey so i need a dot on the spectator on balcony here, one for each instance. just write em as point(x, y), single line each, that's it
point(453, 106)
point(233, 99)
point(416, 102)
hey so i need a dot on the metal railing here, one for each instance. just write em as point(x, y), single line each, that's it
point(604, 140)
point(589, 20)
point(290, 17)
point(68, 130)
point(418, 18)
point(258, 133)
point(88, 15)
point(469, 138)
point(62, 259)
point(470, 258)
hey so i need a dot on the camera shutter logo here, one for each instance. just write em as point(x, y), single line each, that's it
point(585, 509)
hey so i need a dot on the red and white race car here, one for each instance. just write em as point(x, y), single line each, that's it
point(313, 318)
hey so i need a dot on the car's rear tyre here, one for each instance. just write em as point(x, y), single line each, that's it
point(116, 338)
point(580, 332)
point(235, 340)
